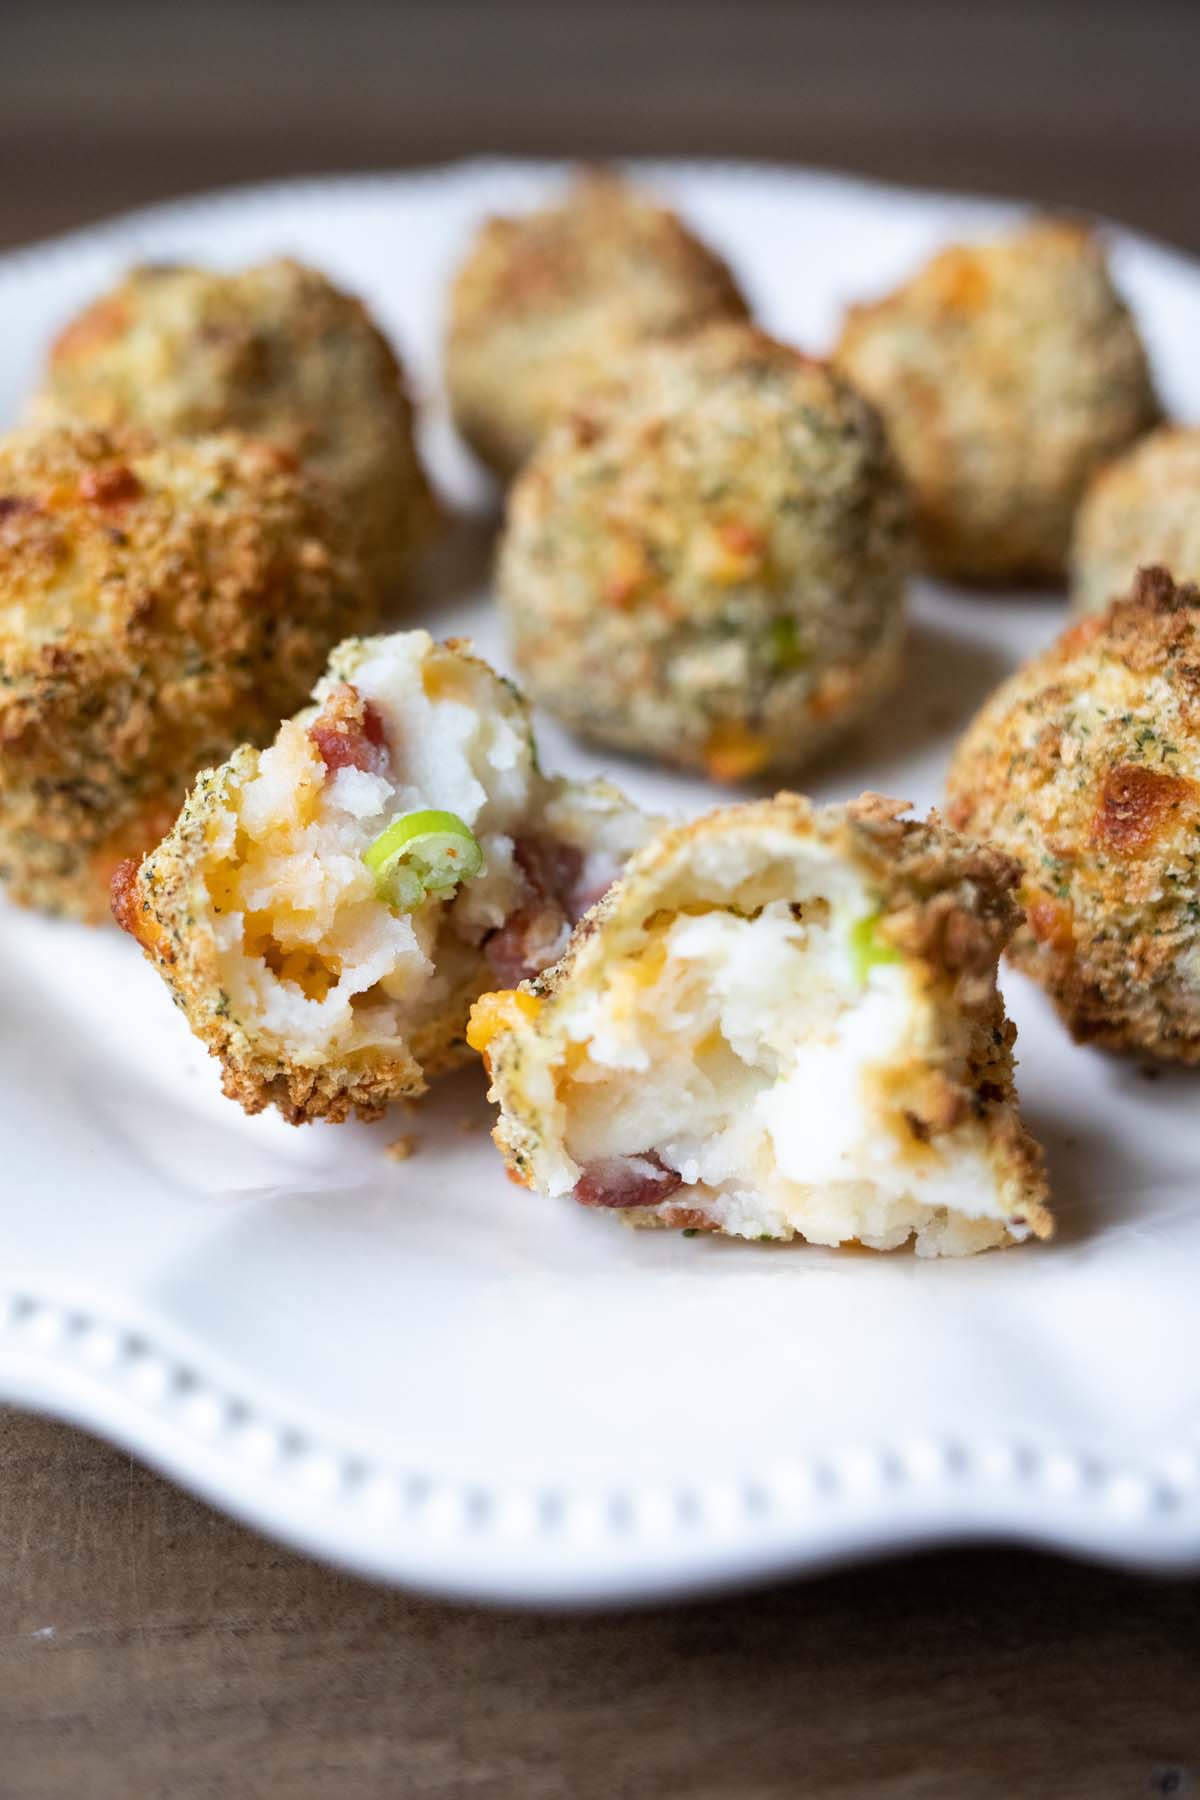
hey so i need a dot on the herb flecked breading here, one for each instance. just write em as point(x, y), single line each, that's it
point(706, 561)
point(547, 304)
point(1142, 510)
point(1085, 766)
point(158, 605)
point(276, 352)
point(934, 1080)
point(1007, 373)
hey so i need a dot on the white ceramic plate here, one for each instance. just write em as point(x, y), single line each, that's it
point(416, 1369)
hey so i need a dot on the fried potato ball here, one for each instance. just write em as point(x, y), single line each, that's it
point(1006, 372)
point(277, 352)
point(546, 305)
point(1085, 766)
point(706, 561)
point(326, 910)
point(1142, 510)
point(158, 604)
point(783, 1021)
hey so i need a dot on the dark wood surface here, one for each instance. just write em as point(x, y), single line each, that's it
point(149, 1647)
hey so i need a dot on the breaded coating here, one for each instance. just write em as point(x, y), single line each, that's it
point(159, 604)
point(325, 911)
point(707, 561)
point(547, 304)
point(277, 352)
point(783, 1021)
point(1141, 511)
point(1085, 766)
point(1006, 372)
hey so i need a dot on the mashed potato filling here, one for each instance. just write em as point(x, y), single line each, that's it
point(747, 1065)
point(309, 948)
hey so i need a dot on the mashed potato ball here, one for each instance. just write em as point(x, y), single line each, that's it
point(1007, 372)
point(547, 304)
point(158, 604)
point(325, 911)
point(706, 562)
point(783, 1021)
point(1142, 510)
point(1085, 766)
point(276, 352)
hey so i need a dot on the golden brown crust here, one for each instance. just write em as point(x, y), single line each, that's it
point(1007, 373)
point(546, 304)
point(158, 605)
point(707, 561)
point(1085, 766)
point(1142, 509)
point(277, 352)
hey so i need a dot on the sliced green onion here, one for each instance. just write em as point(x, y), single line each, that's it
point(422, 854)
point(783, 643)
point(868, 949)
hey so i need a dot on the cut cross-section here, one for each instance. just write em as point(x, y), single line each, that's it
point(326, 910)
point(781, 1022)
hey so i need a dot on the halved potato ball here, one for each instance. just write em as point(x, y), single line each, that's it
point(783, 1021)
point(1085, 766)
point(707, 561)
point(1006, 372)
point(159, 603)
point(276, 352)
point(547, 304)
point(1142, 510)
point(326, 910)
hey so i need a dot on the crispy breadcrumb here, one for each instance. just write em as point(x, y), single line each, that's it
point(159, 603)
point(546, 304)
point(707, 561)
point(1085, 766)
point(277, 352)
point(1142, 510)
point(1007, 373)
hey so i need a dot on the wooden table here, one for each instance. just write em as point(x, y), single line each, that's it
point(151, 1648)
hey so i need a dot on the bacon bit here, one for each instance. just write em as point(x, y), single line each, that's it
point(14, 506)
point(1051, 921)
point(349, 733)
point(529, 940)
point(1134, 804)
point(123, 895)
point(687, 1218)
point(113, 485)
point(551, 867)
point(622, 1181)
point(532, 936)
point(734, 753)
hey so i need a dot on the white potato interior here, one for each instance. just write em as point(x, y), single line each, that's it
point(749, 1052)
point(309, 953)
